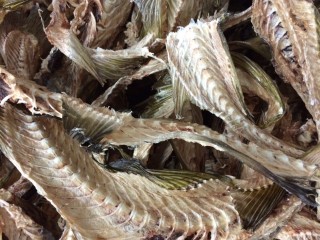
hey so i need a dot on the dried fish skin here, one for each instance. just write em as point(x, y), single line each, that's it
point(159, 105)
point(123, 205)
point(24, 28)
point(106, 126)
point(199, 61)
point(99, 196)
point(102, 64)
point(83, 13)
point(291, 28)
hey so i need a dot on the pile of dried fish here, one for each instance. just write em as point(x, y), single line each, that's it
point(159, 119)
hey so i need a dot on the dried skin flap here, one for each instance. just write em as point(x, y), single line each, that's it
point(83, 13)
point(60, 36)
point(12, 22)
point(200, 63)
point(292, 30)
point(117, 204)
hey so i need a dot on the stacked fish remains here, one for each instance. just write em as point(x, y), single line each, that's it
point(159, 119)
